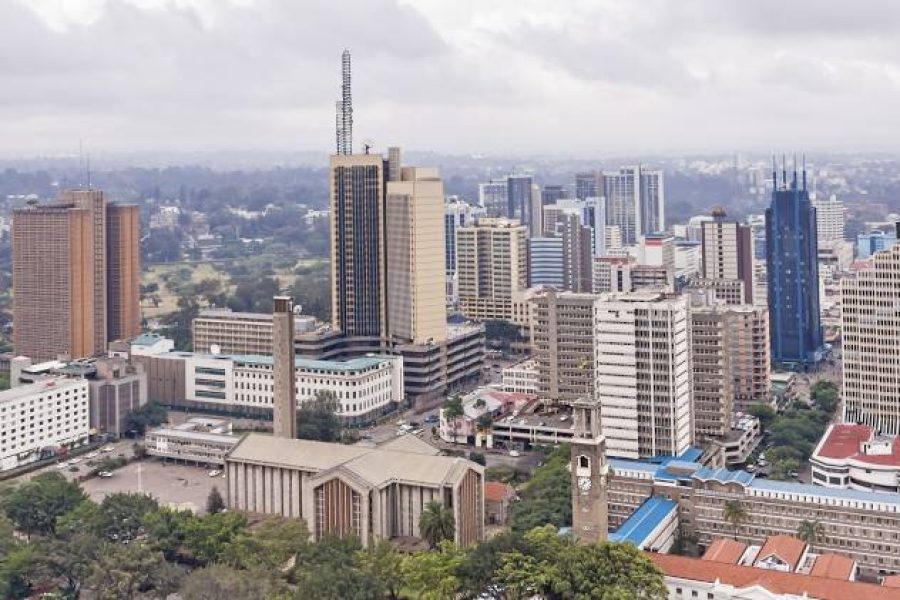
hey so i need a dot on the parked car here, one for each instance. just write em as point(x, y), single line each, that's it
point(105, 474)
point(515, 453)
point(215, 473)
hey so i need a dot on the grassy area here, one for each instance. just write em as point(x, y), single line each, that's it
point(173, 278)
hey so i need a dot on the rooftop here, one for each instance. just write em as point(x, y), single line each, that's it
point(497, 491)
point(725, 550)
point(353, 364)
point(785, 548)
point(833, 566)
point(891, 581)
point(50, 383)
point(644, 520)
point(377, 466)
point(776, 582)
point(146, 339)
point(845, 441)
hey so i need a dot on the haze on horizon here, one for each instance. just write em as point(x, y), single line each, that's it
point(523, 77)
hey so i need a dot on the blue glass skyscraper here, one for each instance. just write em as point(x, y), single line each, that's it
point(793, 274)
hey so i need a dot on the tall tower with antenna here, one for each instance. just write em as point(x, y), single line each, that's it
point(344, 110)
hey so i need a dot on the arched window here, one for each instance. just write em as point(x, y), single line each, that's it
point(584, 462)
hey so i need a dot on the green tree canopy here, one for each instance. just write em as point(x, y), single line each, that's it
point(35, 506)
point(436, 523)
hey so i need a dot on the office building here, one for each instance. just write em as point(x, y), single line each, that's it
point(793, 276)
point(635, 202)
point(856, 457)
point(416, 299)
point(492, 197)
point(230, 332)
point(550, 194)
point(868, 244)
point(853, 523)
point(562, 333)
point(870, 331)
point(694, 228)
point(712, 372)
point(41, 417)
point(613, 274)
point(586, 185)
point(115, 389)
point(76, 276)
point(457, 213)
point(829, 220)
point(643, 373)
point(492, 270)
point(730, 291)
point(199, 440)
point(358, 295)
point(522, 377)
point(369, 493)
point(546, 263)
point(577, 248)
point(751, 367)
point(688, 259)
point(284, 392)
point(518, 198)
point(728, 252)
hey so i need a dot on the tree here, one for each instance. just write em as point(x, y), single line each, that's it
point(214, 502)
point(763, 412)
point(453, 411)
point(64, 564)
point(810, 532)
point(166, 529)
point(381, 564)
point(328, 570)
point(120, 516)
point(317, 419)
point(547, 497)
point(735, 513)
point(149, 415)
point(220, 581)
point(436, 523)
point(433, 575)
point(207, 539)
point(269, 546)
point(129, 571)
point(35, 506)
point(477, 572)
point(478, 457)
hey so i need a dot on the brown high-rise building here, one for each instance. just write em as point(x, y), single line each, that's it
point(123, 271)
point(69, 268)
point(728, 253)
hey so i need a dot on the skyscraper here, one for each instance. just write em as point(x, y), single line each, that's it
point(870, 331)
point(635, 202)
point(457, 213)
point(829, 220)
point(586, 185)
point(358, 298)
point(416, 300)
point(76, 275)
point(793, 276)
point(728, 252)
point(344, 110)
point(492, 197)
point(518, 198)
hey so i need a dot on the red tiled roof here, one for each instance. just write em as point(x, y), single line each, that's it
point(776, 582)
point(833, 566)
point(891, 581)
point(788, 549)
point(496, 491)
point(843, 442)
point(725, 550)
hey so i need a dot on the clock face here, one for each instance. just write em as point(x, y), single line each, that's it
point(584, 483)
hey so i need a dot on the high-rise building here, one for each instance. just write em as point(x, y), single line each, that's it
point(870, 332)
point(358, 296)
point(76, 275)
point(711, 363)
point(518, 198)
point(586, 185)
point(751, 367)
point(635, 201)
point(868, 244)
point(829, 220)
point(728, 252)
point(284, 406)
point(492, 197)
point(577, 241)
point(545, 262)
point(416, 299)
point(550, 194)
point(643, 373)
point(457, 213)
point(492, 270)
point(562, 333)
point(793, 276)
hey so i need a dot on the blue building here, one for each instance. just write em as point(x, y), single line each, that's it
point(793, 274)
point(868, 244)
point(546, 262)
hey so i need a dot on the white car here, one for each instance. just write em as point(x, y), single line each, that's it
point(75, 461)
point(92, 455)
point(105, 474)
point(515, 453)
point(107, 448)
point(215, 473)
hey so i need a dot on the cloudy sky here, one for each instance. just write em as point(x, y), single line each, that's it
point(580, 77)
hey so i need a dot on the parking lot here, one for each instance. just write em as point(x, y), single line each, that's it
point(178, 486)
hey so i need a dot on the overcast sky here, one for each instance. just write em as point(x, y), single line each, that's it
point(580, 77)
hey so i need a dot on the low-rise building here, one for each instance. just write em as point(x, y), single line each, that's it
point(521, 377)
point(200, 440)
point(853, 457)
point(498, 497)
point(480, 409)
point(116, 389)
point(742, 440)
point(369, 493)
point(36, 419)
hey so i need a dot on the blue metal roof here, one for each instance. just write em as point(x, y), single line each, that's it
point(691, 455)
point(724, 476)
point(634, 465)
point(644, 520)
point(790, 487)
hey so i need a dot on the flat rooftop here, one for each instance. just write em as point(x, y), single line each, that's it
point(50, 383)
point(845, 442)
point(644, 520)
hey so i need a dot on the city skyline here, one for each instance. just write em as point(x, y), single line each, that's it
point(250, 75)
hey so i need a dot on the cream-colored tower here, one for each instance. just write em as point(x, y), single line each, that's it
point(284, 412)
point(416, 280)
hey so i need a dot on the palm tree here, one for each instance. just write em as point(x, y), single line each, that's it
point(810, 532)
point(453, 410)
point(735, 513)
point(436, 524)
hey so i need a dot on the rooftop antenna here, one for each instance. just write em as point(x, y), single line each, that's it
point(804, 171)
point(344, 109)
point(784, 170)
point(774, 173)
point(794, 182)
point(88, 171)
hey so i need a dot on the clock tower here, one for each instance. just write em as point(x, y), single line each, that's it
point(589, 471)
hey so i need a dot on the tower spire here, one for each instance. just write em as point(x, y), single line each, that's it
point(344, 109)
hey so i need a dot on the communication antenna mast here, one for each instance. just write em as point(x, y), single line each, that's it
point(344, 109)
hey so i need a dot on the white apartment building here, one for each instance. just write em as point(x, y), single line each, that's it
point(870, 327)
point(364, 387)
point(643, 374)
point(521, 377)
point(50, 413)
point(829, 220)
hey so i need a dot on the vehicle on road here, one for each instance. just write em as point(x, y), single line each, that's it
point(107, 448)
point(215, 473)
point(92, 455)
point(105, 474)
point(515, 453)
